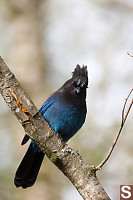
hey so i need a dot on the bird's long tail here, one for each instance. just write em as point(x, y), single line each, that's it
point(28, 169)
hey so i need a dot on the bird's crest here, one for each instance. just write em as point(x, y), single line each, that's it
point(80, 77)
point(80, 71)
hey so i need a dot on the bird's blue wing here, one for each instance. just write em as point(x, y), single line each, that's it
point(42, 110)
point(46, 105)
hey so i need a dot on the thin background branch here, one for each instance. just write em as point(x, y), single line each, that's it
point(129, 54)
point(124, 117)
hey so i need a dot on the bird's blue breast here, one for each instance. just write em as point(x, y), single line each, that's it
point(63, 117)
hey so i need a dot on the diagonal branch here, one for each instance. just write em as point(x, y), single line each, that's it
point(67, 160)
point(124, 117)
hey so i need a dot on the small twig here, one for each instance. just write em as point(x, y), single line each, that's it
point(129, 54)
point(124, 117)
point(123, 110)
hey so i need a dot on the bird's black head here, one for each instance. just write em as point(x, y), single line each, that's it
point(80, 79)
point(78, 83)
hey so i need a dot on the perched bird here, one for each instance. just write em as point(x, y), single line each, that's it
point(65, 111)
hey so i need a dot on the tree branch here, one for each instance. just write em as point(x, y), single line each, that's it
point(129, 54)
point(82, 176)
point(124, 117)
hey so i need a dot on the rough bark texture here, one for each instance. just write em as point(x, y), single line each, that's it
point(67, 160)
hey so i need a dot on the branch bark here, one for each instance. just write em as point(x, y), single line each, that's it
point(82, 175)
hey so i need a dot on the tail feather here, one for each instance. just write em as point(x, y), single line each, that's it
point(28, 169)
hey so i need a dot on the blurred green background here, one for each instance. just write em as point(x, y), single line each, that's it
point(42, 41)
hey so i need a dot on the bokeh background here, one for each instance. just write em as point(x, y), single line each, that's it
point(42, 41)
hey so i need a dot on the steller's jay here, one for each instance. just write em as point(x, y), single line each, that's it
point(65, 111)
